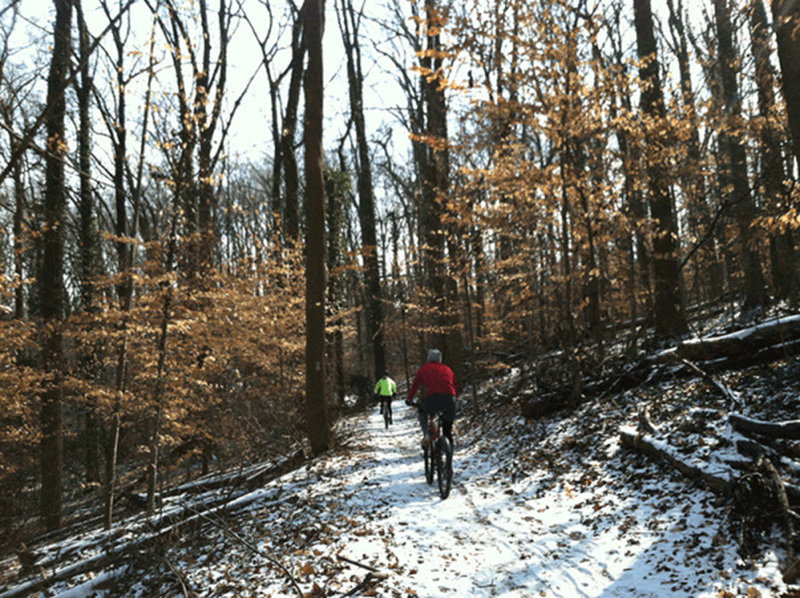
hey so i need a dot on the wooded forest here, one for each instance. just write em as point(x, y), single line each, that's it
point(557, 176)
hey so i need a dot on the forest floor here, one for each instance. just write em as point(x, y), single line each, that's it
point(553, 507)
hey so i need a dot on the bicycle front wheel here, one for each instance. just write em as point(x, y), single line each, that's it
point(444, 466)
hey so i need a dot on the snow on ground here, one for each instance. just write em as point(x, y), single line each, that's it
point(362, 521)
point(548, 508)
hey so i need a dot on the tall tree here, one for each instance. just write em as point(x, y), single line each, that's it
point(89, 245)
point(288, 157)
point(349, 22)
point(211, 80)
point(735, 185)
point(318, 427)
point(7, 112)
point(118, 131)
point(51, 276)
point(692, 167)
point(786, 16)
point(670, 317)
point(436, 187)
point(634, 203)
point(771, 174)
point(337, 189)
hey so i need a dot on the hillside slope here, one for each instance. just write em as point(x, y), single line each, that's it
point(548, 508)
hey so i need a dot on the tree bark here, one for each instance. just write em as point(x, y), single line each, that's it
point(771, 175)
point(786, 429)
point(437, 184)
point(634, 206)
point(700, 214)
point(209, 106)
point(51, 277)
point(734, 170)
point(291, 215)
point(348, 23)
point(167, 287)
point(118, 132)
point(786, 17)
point(336, 186)
point(7, 113)
point(88, 242)
point(670, 316)
point(318, 426)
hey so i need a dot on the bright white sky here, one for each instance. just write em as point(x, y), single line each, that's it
point(250, 134)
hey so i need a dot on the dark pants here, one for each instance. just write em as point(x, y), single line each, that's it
point(433, 404)
point(386, 404)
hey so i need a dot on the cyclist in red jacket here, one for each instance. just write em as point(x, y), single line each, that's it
point(439, 394)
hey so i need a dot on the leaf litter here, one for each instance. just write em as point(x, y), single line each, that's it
point(553, 507)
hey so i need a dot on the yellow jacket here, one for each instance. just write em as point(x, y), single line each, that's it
point(385, 387)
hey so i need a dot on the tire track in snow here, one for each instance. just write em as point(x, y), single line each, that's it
point(437, 537)
point(484, 540)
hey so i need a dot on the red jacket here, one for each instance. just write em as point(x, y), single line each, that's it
point(437, 378)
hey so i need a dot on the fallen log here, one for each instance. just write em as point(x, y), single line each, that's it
point(756, 450)
point(786, 429)
point(648, 445)
point(660, 450)
point(786, 514)
point(117, 546)
point(742, 343)
point(561, 397)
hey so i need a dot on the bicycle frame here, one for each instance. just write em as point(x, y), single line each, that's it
point(434, 427)
point(438, 456)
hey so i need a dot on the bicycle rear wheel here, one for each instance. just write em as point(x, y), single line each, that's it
point(444, 466)
point(386, 417)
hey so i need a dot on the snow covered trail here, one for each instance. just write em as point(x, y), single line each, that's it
point(367, 509)
point(486, 539)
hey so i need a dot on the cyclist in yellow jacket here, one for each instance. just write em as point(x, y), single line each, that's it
point(385, 391)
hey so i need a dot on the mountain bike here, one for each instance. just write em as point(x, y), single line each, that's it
point(438, 456)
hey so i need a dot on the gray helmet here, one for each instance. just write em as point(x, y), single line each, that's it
point(434, 356)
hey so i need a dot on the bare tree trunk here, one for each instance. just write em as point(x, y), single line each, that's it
point(670, 317)
point(700, 213)
point(155, 441)
point(51, 277)
point(182, 167)
point(444, 287)
point(88, 244)
point(735, 170)
point(786, 16)
point(335, 192)
point(772, 174)
point(318, 426)
point(291, 215)
point(348, 24)
point(7, 112)
point(476, 244)
point(112, 443)
point(209, 109)
point(119, 136)
point(638, 251)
